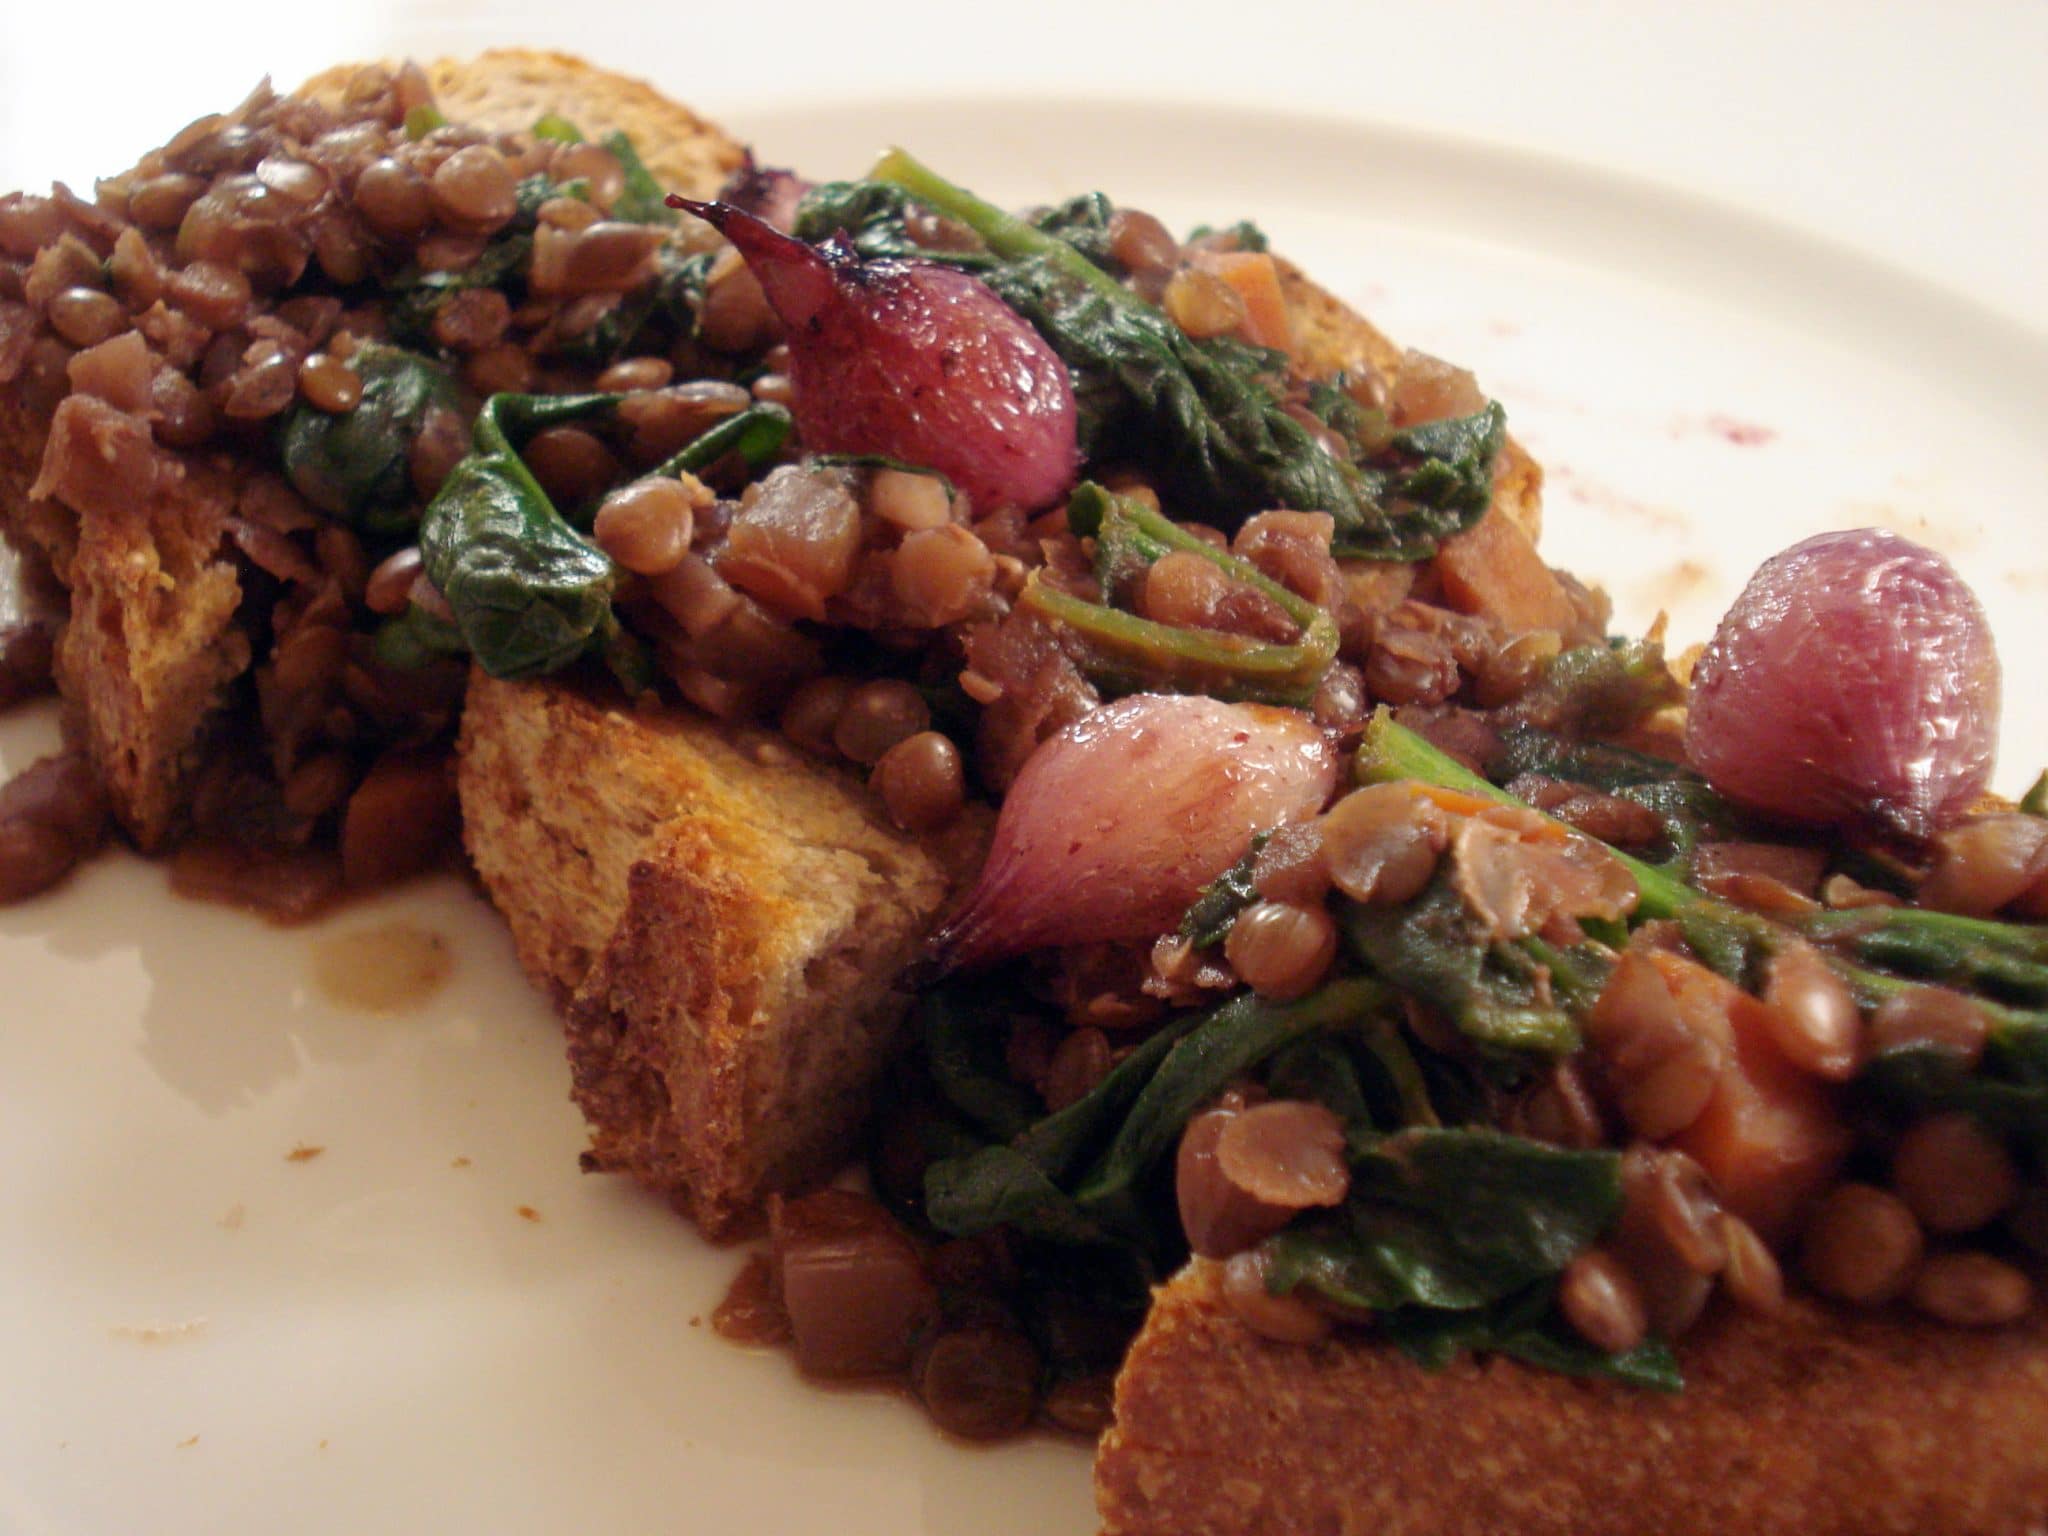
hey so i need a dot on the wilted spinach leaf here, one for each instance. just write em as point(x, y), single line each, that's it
point(2006, 1092)
point(416, 638)
point(1083, 222)
point(1091, 1156)
point(1204, 417)
point(642, 199)
point(1452, 1220)
point(1526, 1328)
point(353, 465)
point(963, 1052)
point(1498, 994)
point(1210, 918)
point(530, 593)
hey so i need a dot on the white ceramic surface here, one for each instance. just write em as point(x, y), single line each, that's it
point(200, 1334)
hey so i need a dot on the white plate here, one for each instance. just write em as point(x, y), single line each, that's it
point(203, 1335)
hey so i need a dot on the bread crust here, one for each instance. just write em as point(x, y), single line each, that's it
point(725, 924)
point(1820, 1423)
point(137, 534)
point(152, 647)
point(510, 89)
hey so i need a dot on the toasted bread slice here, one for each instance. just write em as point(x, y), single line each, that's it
point(1818, 1423)
point(510, 89)
point(725, 923)
point(137, 533)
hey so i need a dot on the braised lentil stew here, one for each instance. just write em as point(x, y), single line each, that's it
point(1361, 916)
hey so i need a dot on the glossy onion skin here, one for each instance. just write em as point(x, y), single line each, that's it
point(1854, 679)
point(915, 362)
point(1116, 824)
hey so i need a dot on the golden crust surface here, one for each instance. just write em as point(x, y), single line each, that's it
point(725, 923)
point(136, 533)
point(510, 89)
point(152, 644)
point(1817, 1423)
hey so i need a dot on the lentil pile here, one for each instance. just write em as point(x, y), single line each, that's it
point(1356, 919)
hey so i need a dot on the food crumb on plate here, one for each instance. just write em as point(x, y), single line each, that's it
point(158, 1333)
point(460, 1162)
point(188, 1442)
point(1739, 433)
point(529, 1213)
point(302, 1152)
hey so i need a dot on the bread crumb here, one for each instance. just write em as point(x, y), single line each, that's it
point(460, 1162)
point(158, 1333)
point(232, 1217)
point(697, 1322)
point(302, 1153)
point(187, 1443)
point(529, 1213)
point(323, 1445)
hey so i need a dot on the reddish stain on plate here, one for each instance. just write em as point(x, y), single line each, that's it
point(1743, 434)
point(1603, 498)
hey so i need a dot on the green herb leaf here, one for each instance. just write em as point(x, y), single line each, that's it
point(2006, 962)
point(556, 129)
point(1244, 235)
point(641, 199)
point(423, 120)
point(1001, 1186)
point(353, 465)
point(1083, 222)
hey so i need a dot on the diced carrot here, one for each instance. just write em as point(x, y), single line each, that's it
point(1257, 282)
point(1770, 1137)
point(1456, 801)
point(1493, 569)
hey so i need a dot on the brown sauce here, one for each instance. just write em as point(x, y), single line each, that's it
point(386, 968)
